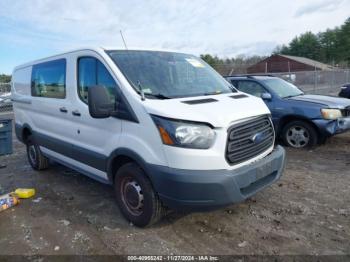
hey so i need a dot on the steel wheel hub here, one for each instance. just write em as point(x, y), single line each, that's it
point(132, 196)
point(32, 154)
point(298, 136)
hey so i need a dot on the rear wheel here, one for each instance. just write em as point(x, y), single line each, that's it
point(35, 157)
point(299, 134)
point(135, 196)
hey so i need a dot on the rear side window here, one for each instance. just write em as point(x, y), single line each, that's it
point(49, 79)
point(92, 72)
point(250, 87)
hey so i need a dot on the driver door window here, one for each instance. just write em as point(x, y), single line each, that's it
point(92, 72)
point(250, 87)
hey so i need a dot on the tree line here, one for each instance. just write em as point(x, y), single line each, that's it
point(5, 78)
point(331, 46)
point(228, 66)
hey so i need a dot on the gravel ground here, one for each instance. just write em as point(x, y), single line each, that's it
point(306, 212)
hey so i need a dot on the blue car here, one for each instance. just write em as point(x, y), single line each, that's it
point(345, 91)
point(300, 120)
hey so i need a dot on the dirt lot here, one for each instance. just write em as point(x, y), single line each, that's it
point(306, 212)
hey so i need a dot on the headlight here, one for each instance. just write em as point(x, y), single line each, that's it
point(331, 114)
point(184, 133)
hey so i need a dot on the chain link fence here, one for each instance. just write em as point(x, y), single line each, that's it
point(5, 98)
point(5, 88)
point(315, 81)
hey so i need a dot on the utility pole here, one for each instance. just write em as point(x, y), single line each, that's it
point(231, 71)
point(315, 79)
point(333, 75)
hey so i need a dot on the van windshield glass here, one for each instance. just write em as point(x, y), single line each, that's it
point(164, 75)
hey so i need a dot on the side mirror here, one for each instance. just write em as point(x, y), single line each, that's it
point(100, 105)
point(266, 96)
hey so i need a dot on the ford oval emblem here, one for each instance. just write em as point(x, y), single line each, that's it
point(258, 138)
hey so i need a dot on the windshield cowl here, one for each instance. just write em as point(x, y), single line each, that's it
point(157, 96)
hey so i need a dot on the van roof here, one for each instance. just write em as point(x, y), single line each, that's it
point(96, 49)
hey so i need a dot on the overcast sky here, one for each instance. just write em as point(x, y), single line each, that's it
point(38, 28)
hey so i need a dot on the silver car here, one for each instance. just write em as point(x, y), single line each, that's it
point(5, 102)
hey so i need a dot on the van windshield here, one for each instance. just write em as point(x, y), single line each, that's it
point(169, 75)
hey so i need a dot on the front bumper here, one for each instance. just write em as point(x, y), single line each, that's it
point(208, 189)
point(332, 127)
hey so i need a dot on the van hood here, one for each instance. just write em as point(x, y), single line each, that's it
point(217, 110)
point(328, 101)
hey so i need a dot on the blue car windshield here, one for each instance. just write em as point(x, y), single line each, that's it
point(169, 75)
point(282, 88)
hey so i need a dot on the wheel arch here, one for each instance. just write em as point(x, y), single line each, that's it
point(23, 132)
point(286, 119)
point(120, 157)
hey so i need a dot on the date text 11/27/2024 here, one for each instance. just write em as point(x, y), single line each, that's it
point(173, 258)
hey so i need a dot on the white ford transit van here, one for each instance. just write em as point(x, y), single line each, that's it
point(163, 128)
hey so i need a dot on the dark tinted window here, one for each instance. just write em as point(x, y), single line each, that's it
point(250, 87)
point(234, 83)
point(49, 79)
point(92, 72)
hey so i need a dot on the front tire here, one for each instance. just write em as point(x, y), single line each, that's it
point(35, 157)
point(299, 134)
point(135, 196)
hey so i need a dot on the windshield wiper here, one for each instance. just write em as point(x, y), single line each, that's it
point(143, 95)
point(141, 90)
point(159, 96)
point(292, 96)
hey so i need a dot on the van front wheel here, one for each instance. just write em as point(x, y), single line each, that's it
point(135, 196)
point(35, 157)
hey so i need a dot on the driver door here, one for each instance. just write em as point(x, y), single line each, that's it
point(94, 138)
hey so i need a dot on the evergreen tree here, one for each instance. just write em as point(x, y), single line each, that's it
point(330, 46)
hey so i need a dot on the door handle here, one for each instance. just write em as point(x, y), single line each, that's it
point(63, 110)
point(76, 113)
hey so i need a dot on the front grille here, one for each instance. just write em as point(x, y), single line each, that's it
point(346, 112)
point(248, 139)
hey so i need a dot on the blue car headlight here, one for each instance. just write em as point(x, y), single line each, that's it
point(331, 114)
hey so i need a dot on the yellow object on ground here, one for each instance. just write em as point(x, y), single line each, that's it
point(25, 192)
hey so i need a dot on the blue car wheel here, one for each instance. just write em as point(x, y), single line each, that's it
point(299, 134)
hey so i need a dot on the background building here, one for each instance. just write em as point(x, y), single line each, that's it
point(286, 63)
